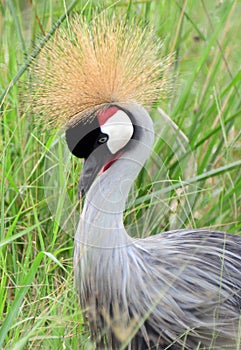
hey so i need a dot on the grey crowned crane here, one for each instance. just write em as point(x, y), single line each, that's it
point(174, 290)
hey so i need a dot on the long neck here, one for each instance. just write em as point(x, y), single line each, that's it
point(102, 216)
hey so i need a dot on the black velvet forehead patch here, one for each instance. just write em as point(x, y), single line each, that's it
point(81, 138)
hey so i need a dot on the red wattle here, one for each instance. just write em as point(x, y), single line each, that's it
point(110, 162)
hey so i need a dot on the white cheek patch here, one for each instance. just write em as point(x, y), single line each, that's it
point(119, 128)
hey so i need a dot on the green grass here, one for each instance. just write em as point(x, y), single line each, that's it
point(192, 179)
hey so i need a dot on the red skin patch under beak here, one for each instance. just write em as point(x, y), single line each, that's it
point(110, 162)
point(103, 116)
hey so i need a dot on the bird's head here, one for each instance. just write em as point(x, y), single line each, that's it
point(92, 78)
point(105, 138)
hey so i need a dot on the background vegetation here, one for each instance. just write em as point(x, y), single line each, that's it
point(196, 155)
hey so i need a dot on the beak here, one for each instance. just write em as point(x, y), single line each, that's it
point(91, 168)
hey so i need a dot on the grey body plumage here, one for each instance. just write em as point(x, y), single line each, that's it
point(177, 290)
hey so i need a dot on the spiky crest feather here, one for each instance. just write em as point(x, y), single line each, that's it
point(88, 65)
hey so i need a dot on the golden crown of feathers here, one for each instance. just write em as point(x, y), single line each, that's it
point(89, 64)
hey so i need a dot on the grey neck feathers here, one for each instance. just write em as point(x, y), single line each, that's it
point(102, 216)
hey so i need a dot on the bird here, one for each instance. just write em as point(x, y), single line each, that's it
point(180, 289)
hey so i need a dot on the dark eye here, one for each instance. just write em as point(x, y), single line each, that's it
point(102, 139)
